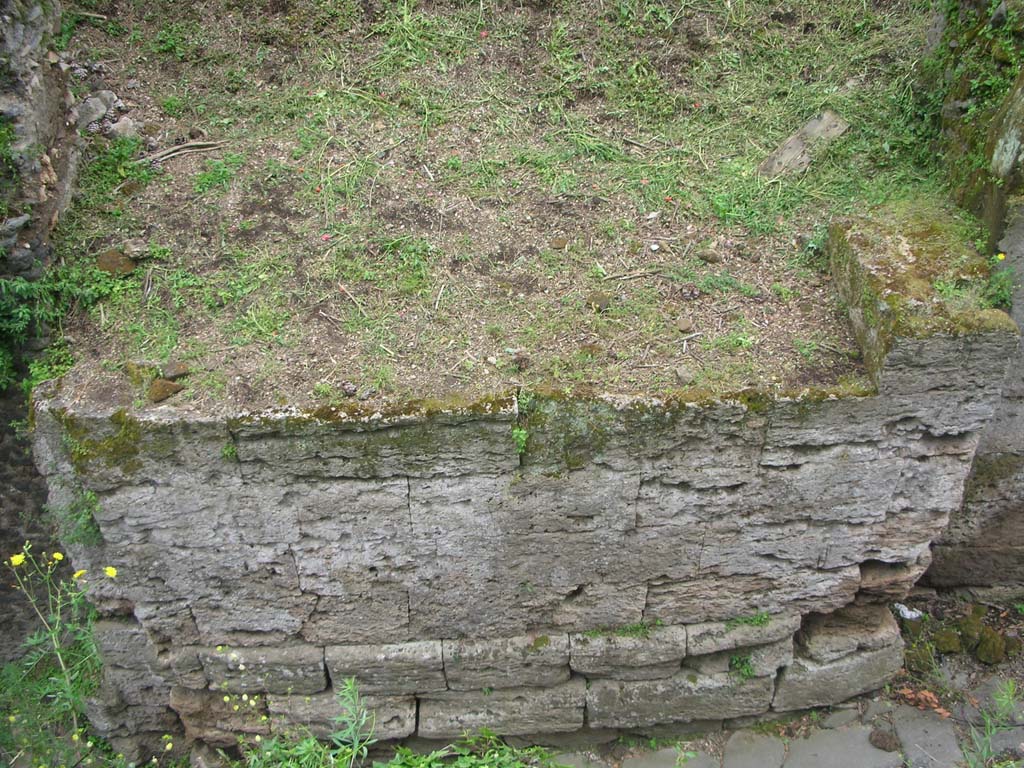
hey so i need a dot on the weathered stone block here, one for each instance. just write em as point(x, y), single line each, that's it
point(537, 660)
point(394, 717)
point(279, 669)
point(830, 637)
point(759, 661)
point(659, 654)
point(389, 669)
point(683, 698)
point(511, 711)
point(755, 629)
point(806, 683)
point(218, 718)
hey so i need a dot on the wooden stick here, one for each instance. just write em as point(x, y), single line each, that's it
point(188, 147)
point(353, 299)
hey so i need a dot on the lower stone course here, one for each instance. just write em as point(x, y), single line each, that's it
point(394, 717)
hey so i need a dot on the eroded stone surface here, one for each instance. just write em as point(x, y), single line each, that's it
point(527, 660)
point(806, 683)
point(394, 669)
point(659, 654)
point(394, 717)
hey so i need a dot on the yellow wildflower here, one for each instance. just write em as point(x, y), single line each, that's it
point(111, 571)
point(168, 746)
point(58, 556)
point(258, 739)
point(78, 574)
point(1001, 256)
point(17, 559)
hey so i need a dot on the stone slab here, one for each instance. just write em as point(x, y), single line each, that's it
point(841, 748)
point(806, 683)
point(682, 698)
point(536, 660)
point(399, 668)
point(830, 637)
point(507, 712)
point(394, 717)
point(289, 668)
point(629, 658)
point(760, 661)
point(746, 749)
point(929, 741)
point(715, 636)
point(841, 718)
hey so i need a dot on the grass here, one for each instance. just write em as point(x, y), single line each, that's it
point(407, 177)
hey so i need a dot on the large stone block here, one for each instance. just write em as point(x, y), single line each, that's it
point(683, 698)
point(758, 661)
point(754, 629)
point(806, 683)
point(657, 653)
point(389, 669)
point(534, 661)
point(279, 669)
point(825, 638)
point(507, 712)
point(219, 719)
point(392, 717)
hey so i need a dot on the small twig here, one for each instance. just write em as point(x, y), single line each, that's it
point(632, 275)
point(390, 352)
point(185, 149)
point(440, 293)
point(89, 15)
point(691, 336)
point(354, 300)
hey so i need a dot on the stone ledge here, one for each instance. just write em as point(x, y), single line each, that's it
point(277, 669)
point(401, 668)
point(659, 654)
point(531, 661)
point(394, 717)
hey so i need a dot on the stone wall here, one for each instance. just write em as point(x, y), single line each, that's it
point(642, 563)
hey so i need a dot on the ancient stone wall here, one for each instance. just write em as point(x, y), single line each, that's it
point(640, 563)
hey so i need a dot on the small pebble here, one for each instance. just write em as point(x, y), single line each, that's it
point(684, 324)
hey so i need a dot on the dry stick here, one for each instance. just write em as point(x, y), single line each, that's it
point(632, 275)
point(185, 149)
point(440, 293)
point(354, 300)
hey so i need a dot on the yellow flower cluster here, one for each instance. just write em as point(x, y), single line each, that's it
point(17, 559)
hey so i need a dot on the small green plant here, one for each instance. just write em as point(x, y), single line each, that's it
point(77, 521)
point(173, 106)
point(980, 753)
point(998, 292)
point(218, 173)
point(43, 695)
point(520, 436)
point(229, 452)
point(742, 666)
point(759, 619)
point(807, 348)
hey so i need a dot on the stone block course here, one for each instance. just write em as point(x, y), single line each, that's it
point(394, 717)
point(402, 668)
point(290, 668)
point(682, 698)
point(532, 661)
point(607, 654)
point(743, 631)
point(510, 711)
point(807, 683)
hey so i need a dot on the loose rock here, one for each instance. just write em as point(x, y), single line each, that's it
point(161, 389)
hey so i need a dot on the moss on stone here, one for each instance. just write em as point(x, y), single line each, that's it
point(119, 448)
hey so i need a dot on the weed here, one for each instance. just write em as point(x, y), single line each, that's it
point(43, 695)
point(732, 341)
point(229, 452)
point(981, 753)
point(173, 106)
point(807, 348)
point(520, 437)
point(76, 522)
point(218, 173)
point(742, 666)
point(759, 619)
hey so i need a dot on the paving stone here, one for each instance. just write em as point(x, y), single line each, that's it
point(1009, 741)
point(841, 718)
point(928, 740)
point(751, 750)
point(578, 760)
point(877, 708)
point(663, 758)
point(835, 748)
point(699, 760)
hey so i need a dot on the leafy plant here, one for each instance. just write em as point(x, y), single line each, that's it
point(218, 173)
point(43, 695)
point(759, 619)
point(520, 436)
point(742, 666)
point(980, 753)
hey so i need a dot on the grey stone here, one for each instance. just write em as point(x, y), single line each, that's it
point(830, 637)
point(95, 108)
point(577, 760)
point(698, 760)
point(712, 637)
point(841, 718)
point(662, 758)
point(745, 749)
point(929, 741)
point(527, 660)
point(759, 661)
point(509, 711)
point(394, 717)
point(1008, 741)
point(684, 697)
point(290, 668)
point(838, 749)
point(124, 128)
point(806, 683)
point(659, 654)
point(392, 669)
point(876, 708)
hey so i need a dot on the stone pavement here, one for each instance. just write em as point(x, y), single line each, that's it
point(870, 733)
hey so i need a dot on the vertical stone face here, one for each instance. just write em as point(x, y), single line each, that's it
point(643, 563)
